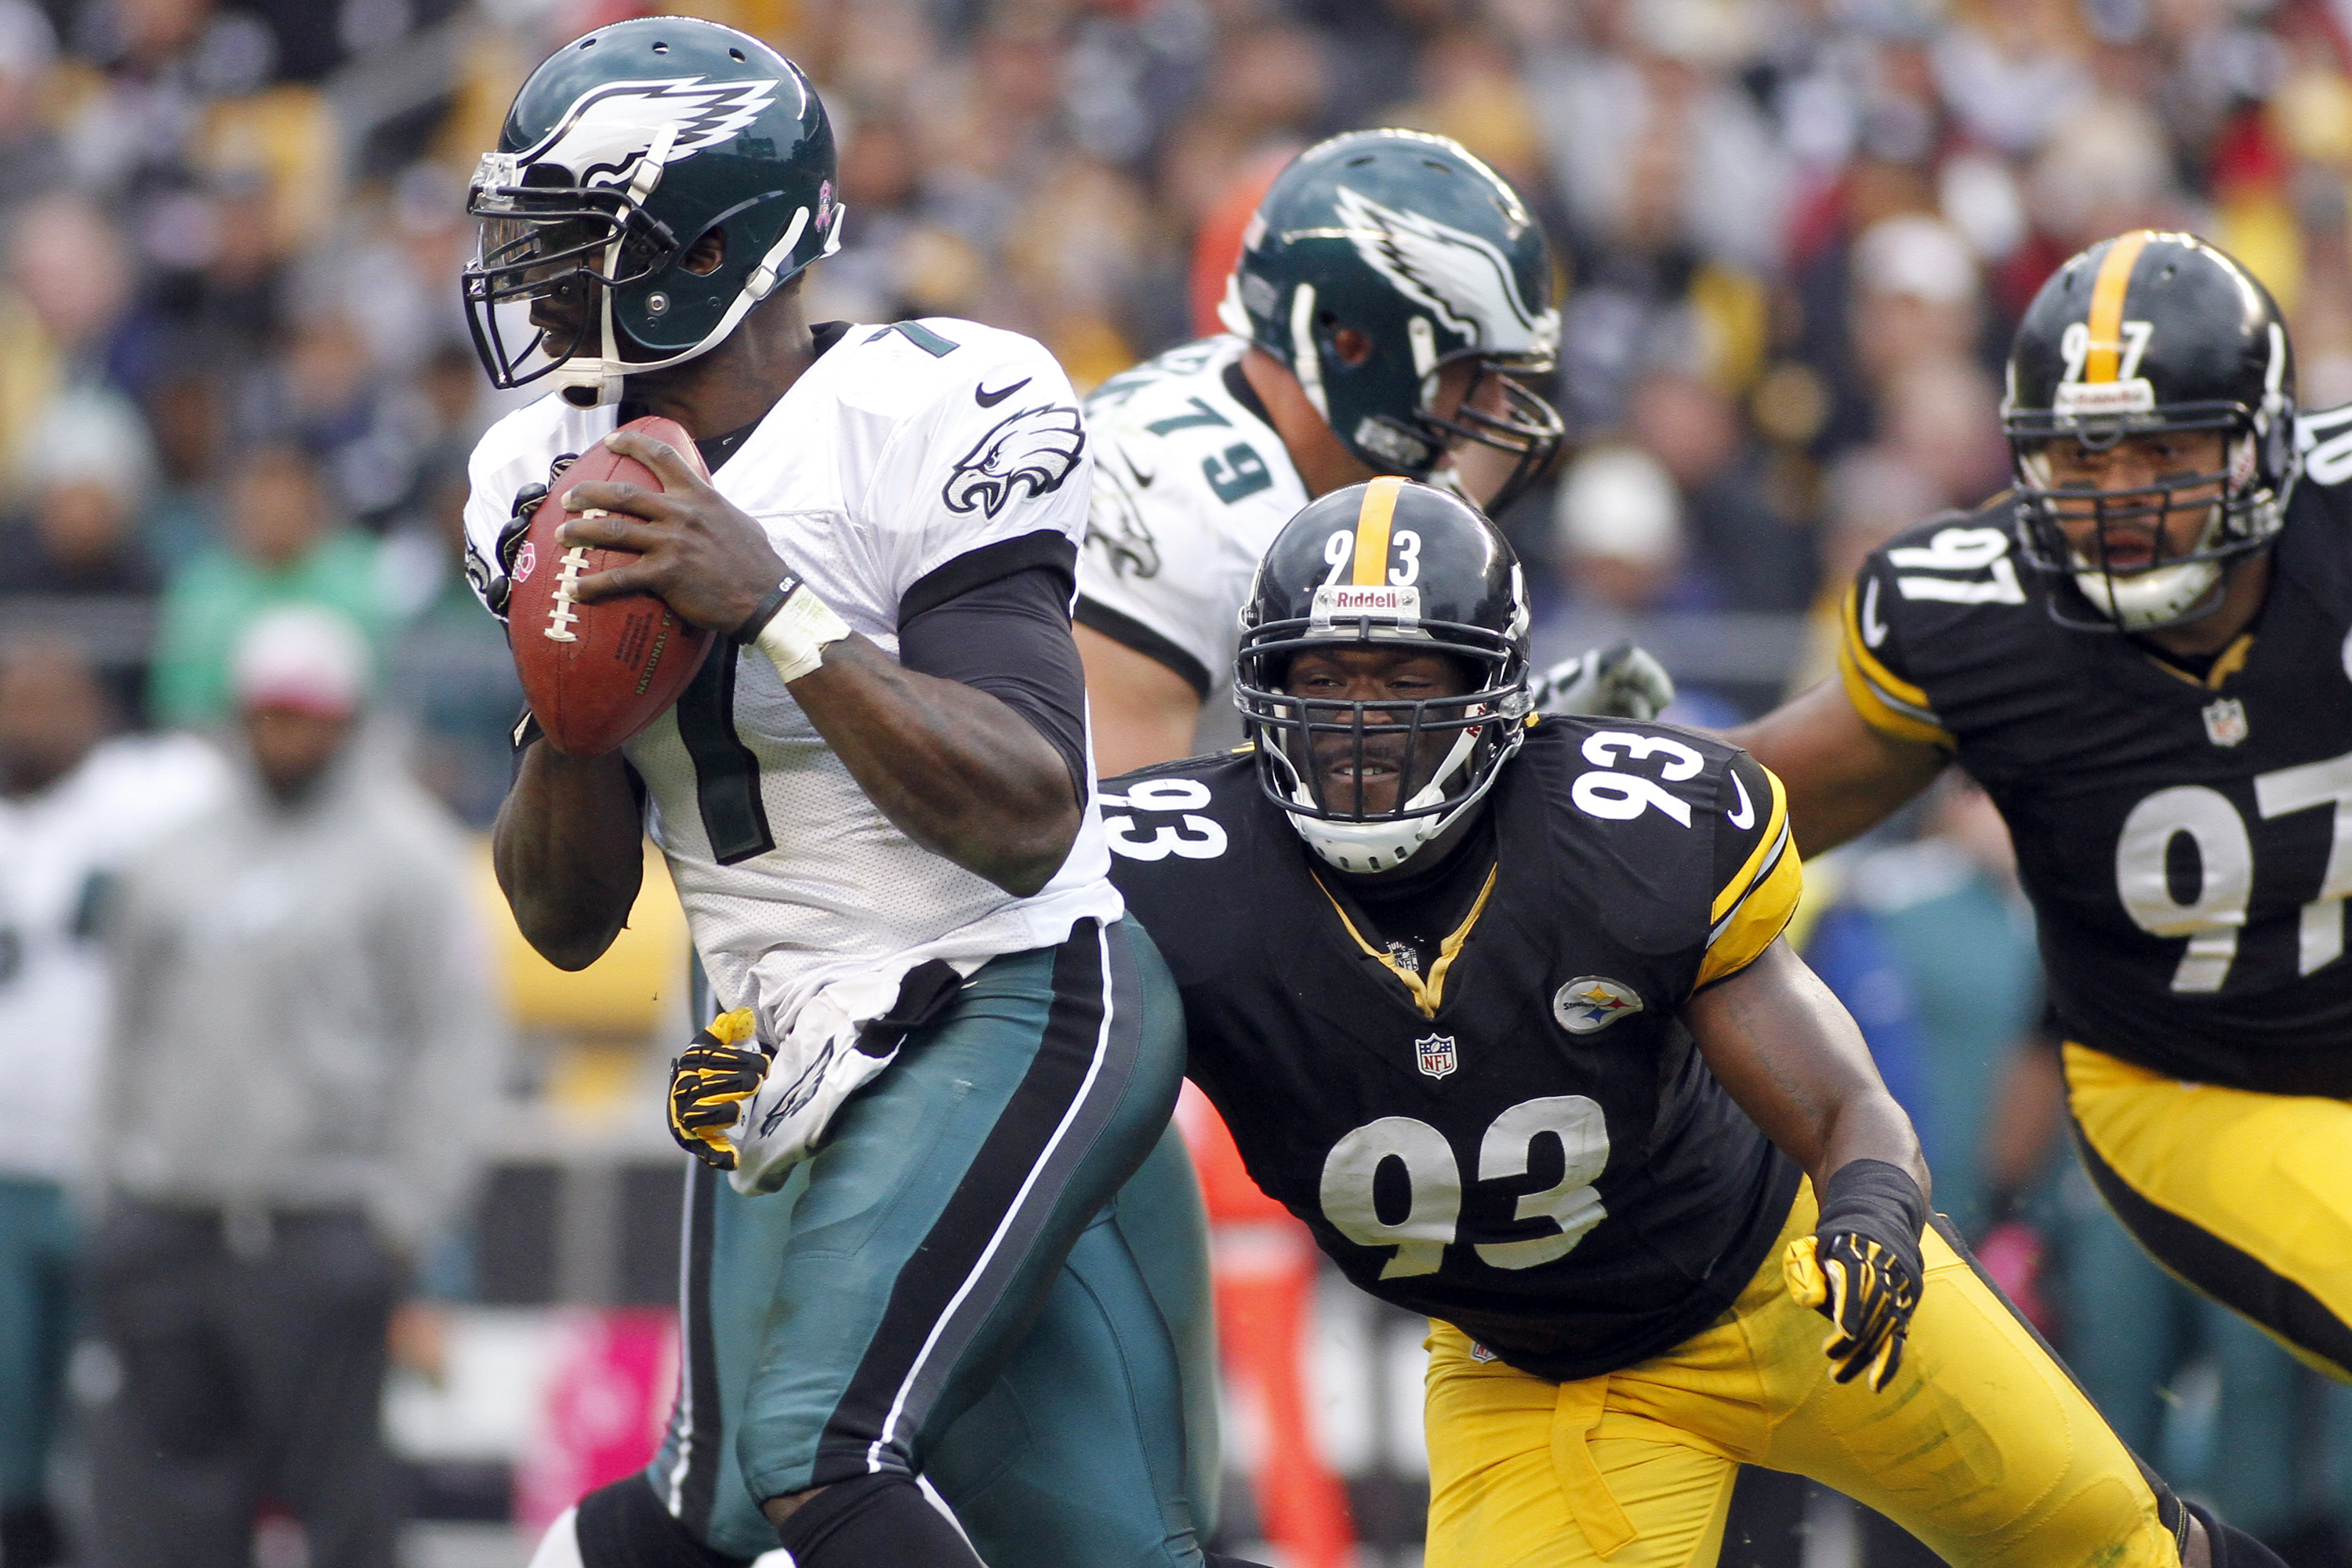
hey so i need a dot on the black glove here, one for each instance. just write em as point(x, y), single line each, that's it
point(499, 589)
point(1861, 1266)
point(721, 1068)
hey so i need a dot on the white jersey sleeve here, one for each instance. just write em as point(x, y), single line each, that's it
point(999, 451)
point(1191, 485)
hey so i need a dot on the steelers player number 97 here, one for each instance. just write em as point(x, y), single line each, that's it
point(2212, 918)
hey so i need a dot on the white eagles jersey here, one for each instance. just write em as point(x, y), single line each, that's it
point(58, 851)
point(900, 449)
point(1191, 485)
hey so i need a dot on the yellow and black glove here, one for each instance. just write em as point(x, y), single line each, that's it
point(1861, 1268)
point(721, 1068)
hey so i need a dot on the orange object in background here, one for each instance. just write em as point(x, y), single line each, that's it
point(1219, 244)
point(1263, 1265)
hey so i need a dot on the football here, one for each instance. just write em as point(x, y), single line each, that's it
point(596, 674)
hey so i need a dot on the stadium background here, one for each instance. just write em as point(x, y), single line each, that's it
point(1793, 237)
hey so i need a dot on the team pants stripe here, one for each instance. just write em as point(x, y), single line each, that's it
point(688, 1482)
point(2203, 1180)
point(999, 1212)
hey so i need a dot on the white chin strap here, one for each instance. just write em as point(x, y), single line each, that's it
point(587, 382)
point(2151, 598)
point(1365, 846)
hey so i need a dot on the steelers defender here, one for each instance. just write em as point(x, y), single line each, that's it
point(1391, 293)
point(1499, 1007)
point(876, 806)
point(2141, 652)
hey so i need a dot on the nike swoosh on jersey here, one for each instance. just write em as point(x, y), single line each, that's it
point(988, 399)
point(1745, 817)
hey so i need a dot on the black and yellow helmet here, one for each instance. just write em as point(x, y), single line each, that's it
point(2141, 333)
point(1395, 562)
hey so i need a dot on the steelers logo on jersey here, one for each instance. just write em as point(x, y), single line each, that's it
point(1590, 1001)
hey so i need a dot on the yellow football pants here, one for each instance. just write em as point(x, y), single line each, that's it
point(1981, 1446)
point(2246, 1196)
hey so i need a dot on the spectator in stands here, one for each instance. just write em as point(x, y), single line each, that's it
point(1617, 529)
point(67, 294)
point(87, 467)
point(283, 546)
point(303, 1060)
point(1746, 553)
point(31, 161)
point(73, 805)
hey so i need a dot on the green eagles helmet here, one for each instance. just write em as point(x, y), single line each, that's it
point(1410, 240)
point(623, 150)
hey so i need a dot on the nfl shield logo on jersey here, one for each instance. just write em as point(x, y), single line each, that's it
point(1590, 1001)
point(1434, 1054)
point(2225, 722)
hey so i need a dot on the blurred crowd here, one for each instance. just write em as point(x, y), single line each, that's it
point(1791, 239)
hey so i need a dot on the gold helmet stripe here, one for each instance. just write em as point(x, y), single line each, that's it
point(1372, 569)
point(2108, 290)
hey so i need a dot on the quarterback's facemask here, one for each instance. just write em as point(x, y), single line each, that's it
point(1367, 781)
point(623, 151)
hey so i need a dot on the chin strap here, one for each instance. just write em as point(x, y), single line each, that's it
point(1383, 846)
point(600, 378)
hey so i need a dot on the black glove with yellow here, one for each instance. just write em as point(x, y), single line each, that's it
point(721, 1068)
point(1861, 1268)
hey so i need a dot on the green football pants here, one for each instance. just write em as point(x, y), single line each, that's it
point(994, 1274)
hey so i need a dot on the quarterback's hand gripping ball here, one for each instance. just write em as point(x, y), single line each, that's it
point(1622, 683)
point(720, 1069)
point(1866, 1292)
point(596, 674)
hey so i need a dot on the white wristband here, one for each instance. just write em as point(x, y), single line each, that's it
point(797, 635)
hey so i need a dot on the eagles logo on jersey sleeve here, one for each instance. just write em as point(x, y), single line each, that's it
point(2185, 834)
point(973, 435)
point(1191, 484)
point(1519, 1137)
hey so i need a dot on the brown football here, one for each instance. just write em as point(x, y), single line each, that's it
point(596, 674)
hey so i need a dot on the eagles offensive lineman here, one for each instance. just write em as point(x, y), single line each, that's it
point(1499, 1007)
point(2141, 652)
point(876, 802)
point(1390, 288)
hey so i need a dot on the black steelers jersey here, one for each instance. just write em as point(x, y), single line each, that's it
point(1517, 1136)
point(2187, 844)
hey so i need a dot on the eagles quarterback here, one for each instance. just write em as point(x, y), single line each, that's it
point(944, 1041)
point(1499, 1007)
point(1390, 290)
point(2141, 652)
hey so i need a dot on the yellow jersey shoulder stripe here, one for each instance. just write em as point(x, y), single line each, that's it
point(1885, 700)
point(1740, 937)
point(1760, 860)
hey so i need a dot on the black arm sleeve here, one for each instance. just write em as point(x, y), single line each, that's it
point(998, 619)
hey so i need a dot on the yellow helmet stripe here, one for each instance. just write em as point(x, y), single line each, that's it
point(2108, 290)
point(1372, 569)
